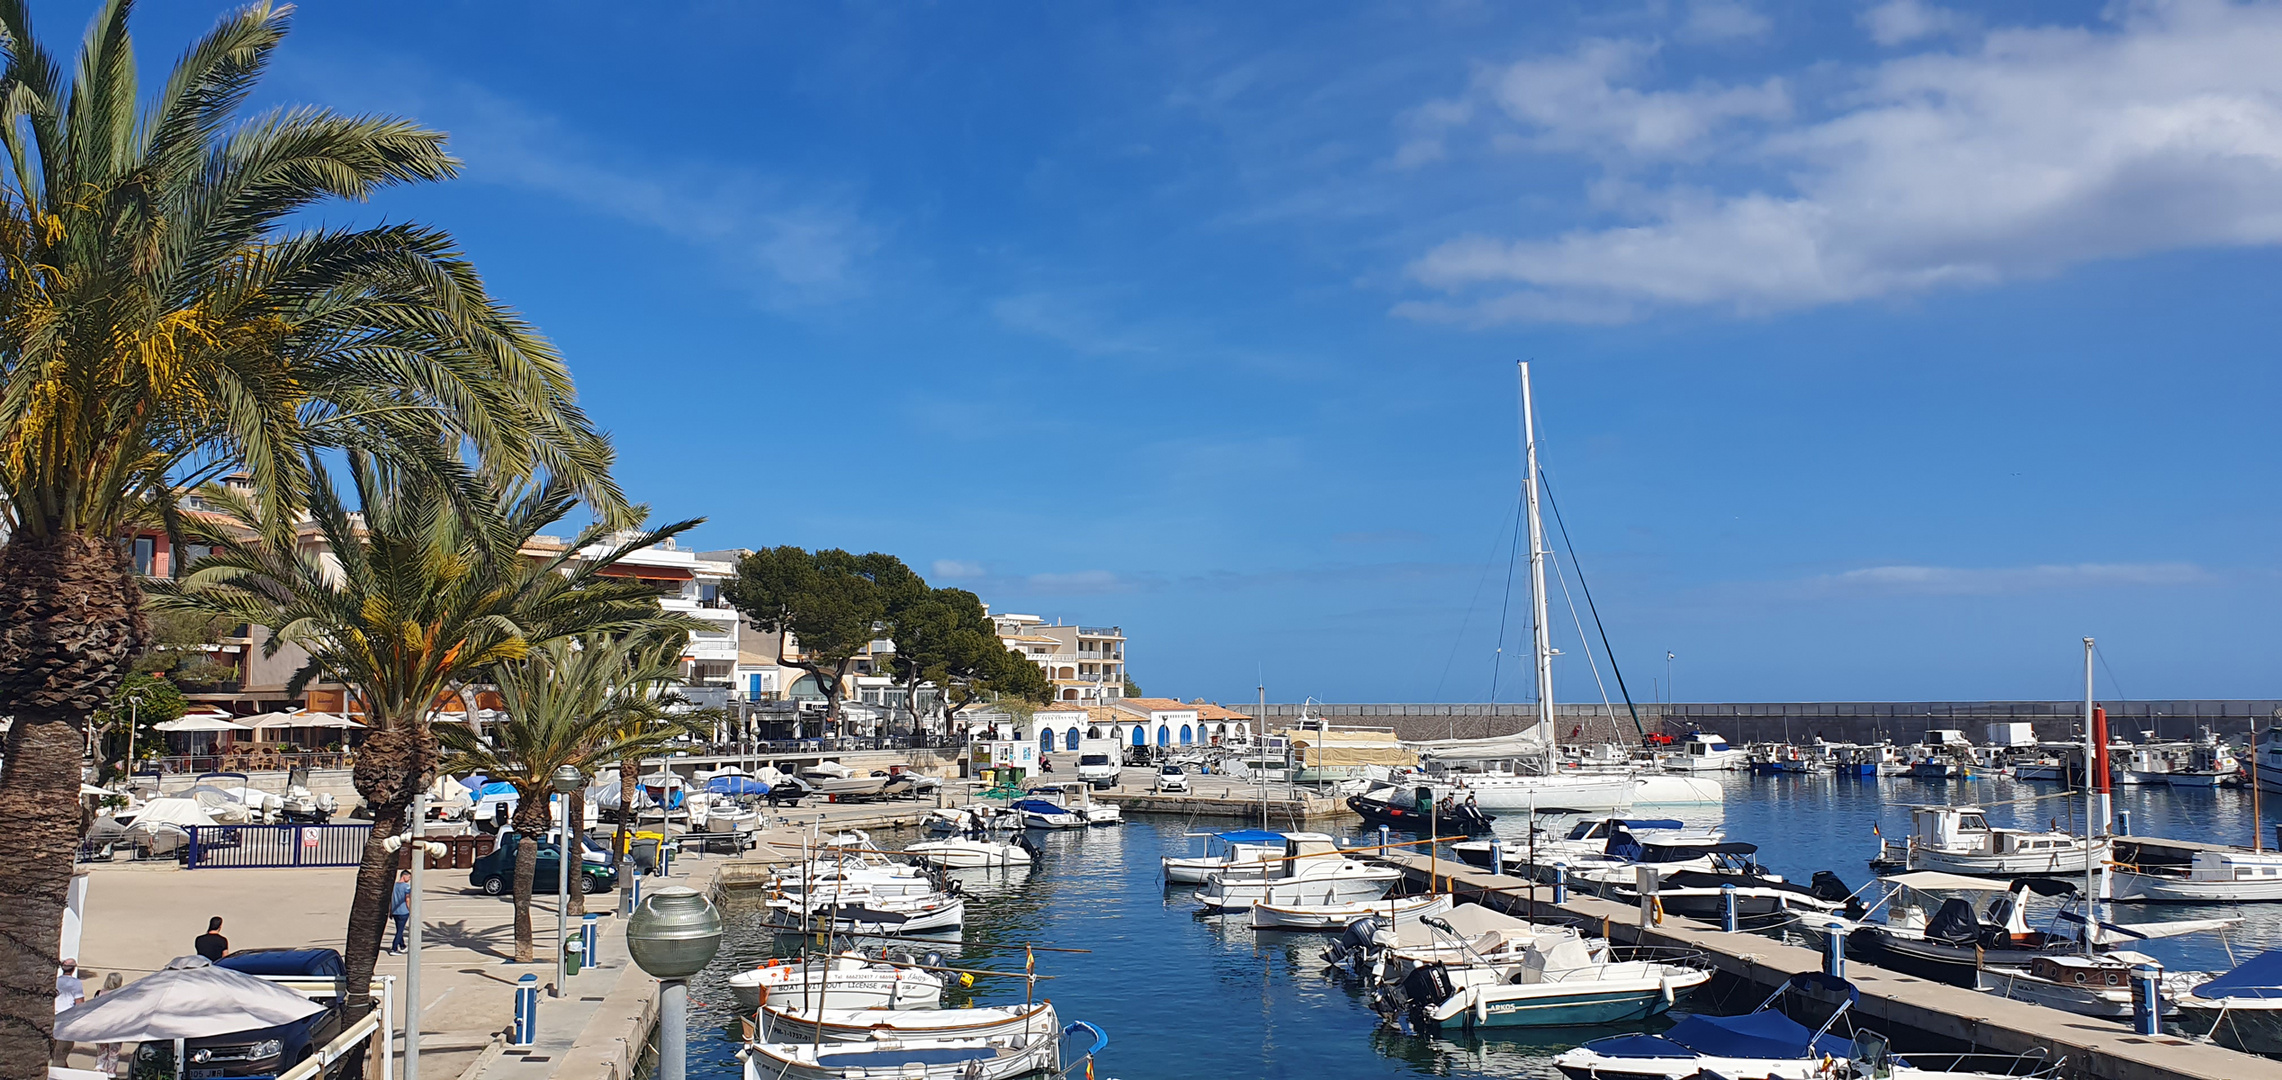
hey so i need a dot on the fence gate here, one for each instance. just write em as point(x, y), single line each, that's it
point(276, 845)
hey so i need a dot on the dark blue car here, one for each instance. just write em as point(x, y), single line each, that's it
point(261, 1051)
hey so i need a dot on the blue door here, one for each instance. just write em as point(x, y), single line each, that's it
point(1140, 737)
point(1164, 736)
point(1046, 740)
point(1185, 735)
point(1070, 740)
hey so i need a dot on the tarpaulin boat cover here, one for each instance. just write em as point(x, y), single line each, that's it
point(2258, 977)
point(1954, 924)
point(1251, 836)
point(736, 785)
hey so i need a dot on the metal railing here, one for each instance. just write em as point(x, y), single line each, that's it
point(273, 846)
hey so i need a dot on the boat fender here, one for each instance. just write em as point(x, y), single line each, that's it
point(1664, 983)
point(1480, 1013)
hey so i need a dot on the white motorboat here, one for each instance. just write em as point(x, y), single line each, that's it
point(963, 854)
point(846, 981)
point(1657, 789)
point(1764, 1043)
point(1337, 916)
point(2186, 871)
point(841, 782)
point(1516, 791)
point(794, 1023)
point(869, 913)
point(1959, 840)
point(1074, 799)
point(2148, 763)
point(1467, 935)
point(1588, 839)
point(1565, 981)
point(2098, 985)
point(1221, 851)
point(2240, 1010)
point(1312, 870)
point(1702, 751)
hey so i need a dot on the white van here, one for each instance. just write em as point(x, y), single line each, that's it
point(1098, 762)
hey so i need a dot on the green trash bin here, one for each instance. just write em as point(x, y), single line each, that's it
point(574, 951)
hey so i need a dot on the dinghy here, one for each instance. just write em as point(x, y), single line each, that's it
point(1764, 1043)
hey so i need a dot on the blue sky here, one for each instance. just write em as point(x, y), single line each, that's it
point(1882, 350)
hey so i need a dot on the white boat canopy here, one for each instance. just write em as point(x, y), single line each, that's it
point(1936, 881)
point(200, 722)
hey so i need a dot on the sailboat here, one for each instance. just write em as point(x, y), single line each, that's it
point(1515, 790)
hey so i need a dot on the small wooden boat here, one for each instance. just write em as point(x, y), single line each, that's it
point(840, 982)
point(963, 854)
point(791, 1023)
point(1337, 916)
point(999, 1058)
point(2098, 985)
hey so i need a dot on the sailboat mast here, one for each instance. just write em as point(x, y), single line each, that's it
point(2091, 756)
point(1542, 633)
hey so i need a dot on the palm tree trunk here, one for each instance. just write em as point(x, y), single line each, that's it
point(393, 764)
point(70, 623)
point(627, 789)
point(530, 826)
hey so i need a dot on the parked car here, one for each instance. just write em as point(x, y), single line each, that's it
point(495, 873)
point(1171, 778)
point(261, 1051)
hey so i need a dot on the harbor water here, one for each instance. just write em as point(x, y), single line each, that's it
point(1187, 996)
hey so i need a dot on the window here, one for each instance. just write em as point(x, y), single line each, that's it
point(146, 552)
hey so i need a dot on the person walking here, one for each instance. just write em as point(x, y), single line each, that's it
point(211, 944)
point(400, 908)
point(107, 1054)
point(69, 991)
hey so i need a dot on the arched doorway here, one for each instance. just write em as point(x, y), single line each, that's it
point(1164, 735)
point(1140, 737)
point(1070, 739)
point(1046, 740)
point(1186, 739)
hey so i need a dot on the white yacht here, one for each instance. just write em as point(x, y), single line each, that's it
point(960, 853)
point(1312, 870)
point(1703, 751)
point(1959, 840)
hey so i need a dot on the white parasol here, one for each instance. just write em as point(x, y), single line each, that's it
point(189, 998)
point(201, 722)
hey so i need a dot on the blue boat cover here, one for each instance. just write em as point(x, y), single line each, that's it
point(736, 785)
point(1639, 1046)
point(1763, 1034)
point(2258, 977)
point(495, 787)
point(1650, 823)
point(1039, 806)
point(1252, 836)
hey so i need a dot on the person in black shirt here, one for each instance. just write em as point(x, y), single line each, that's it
point(211, 944)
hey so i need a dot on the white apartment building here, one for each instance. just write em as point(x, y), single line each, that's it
point(689, 585)
point(1085, 664)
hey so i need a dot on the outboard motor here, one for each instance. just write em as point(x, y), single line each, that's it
point(1826, 886)
point(1022, 840)
point(1426, 987)
point(1354, 945)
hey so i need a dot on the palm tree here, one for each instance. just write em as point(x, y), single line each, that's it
point(408, 602)
point(164, 318)
point(565, 703)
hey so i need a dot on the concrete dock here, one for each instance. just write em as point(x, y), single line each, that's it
point(1891, 1002)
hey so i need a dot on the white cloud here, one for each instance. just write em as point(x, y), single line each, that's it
point(2037, 150)
point(1580, 102)
point(1724, 20)
point(1899, 22)
point(1995, 581)
point(956, 569)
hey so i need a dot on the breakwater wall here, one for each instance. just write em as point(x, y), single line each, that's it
point(1794, 721)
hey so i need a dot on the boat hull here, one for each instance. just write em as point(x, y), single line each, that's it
point(2030, 864)
point(1957, 965)
point(2130, 887)
point(797, 1025)
point(1336, 916)
point(2252, 1030)
point(915, 1059)
point(969, 854)
point(1226, 895)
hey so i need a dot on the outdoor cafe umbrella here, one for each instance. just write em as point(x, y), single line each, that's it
point(201, 722)
point(189, 998)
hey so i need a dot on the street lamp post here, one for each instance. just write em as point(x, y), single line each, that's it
point(567, 779)
point(673, 935)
